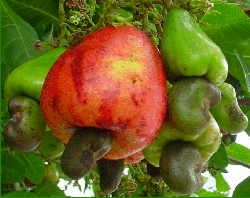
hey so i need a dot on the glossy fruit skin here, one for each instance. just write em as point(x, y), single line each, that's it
point(228, 114)
point(26, 128)
point(187, 51)
point(181, 166)
point(188, 119)
point(28, 78)
point(105, 81)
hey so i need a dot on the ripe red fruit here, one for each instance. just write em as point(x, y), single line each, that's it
point(112, 79)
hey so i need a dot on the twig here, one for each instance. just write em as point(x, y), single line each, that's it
point(244, 102)
point(45, 157)
point(238, 162)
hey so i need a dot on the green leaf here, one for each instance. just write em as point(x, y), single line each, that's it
point(221, 184)
point(13, 169)
point(19, 194)
point(35, 167)
point(230, 30)
point(49, 189)
point(204, 193)
point(239, 152)
point(36, 12)
point(220, 158)
point(242, 189)
point(138, 190)
point(246, 111)
point(246, 70)
point(17, 45)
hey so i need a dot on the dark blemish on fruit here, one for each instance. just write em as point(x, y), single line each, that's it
point(54, 103)
point(136, 103)
point(77, 76)
point(123, 123)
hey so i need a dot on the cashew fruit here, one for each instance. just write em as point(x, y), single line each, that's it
point(206, 142)
point(86, 146)
point(27, 126)
point(110, 174)
point(51, 173)
point(181, 167)
point(189, 101)
point(187, 51)
point(105, 81)
point(227, 113)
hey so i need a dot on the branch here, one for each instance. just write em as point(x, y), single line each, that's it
point(244, 102)
point(238, 162)
point(45, 157)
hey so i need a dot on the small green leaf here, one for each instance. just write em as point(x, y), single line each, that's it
point(19, 194)
point(245, 77)
point(220, 158)
point(13, 169)
point(243, 188)
point(35, 167)
point(221, 184)
point(239, 152)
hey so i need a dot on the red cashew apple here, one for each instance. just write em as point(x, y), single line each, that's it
point(111, 79)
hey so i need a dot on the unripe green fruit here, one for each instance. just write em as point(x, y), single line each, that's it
point(227, 113)
point(27, 126)
point(51, 172)
point(189, 101)
point(181, 166)
point(187, 51)
point(51, 147)
point(28, 78)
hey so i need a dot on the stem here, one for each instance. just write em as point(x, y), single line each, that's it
point(244, 102)
point(90, 21)
point(45, 157)
point(238, 162)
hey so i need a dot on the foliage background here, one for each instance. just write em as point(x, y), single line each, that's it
point(25, 22)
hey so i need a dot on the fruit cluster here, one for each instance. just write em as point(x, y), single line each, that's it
point(105, 102)
point(200, 104)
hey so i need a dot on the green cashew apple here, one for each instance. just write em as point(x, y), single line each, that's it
point(51, 173)
point(228, 114)
point(181, 167)
point(189, 101)
point(28, 78)
point(187, 51)
point(50, 146)
point(206, 142)
point(229, 139)
point(27, 126)
point(110, 174)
